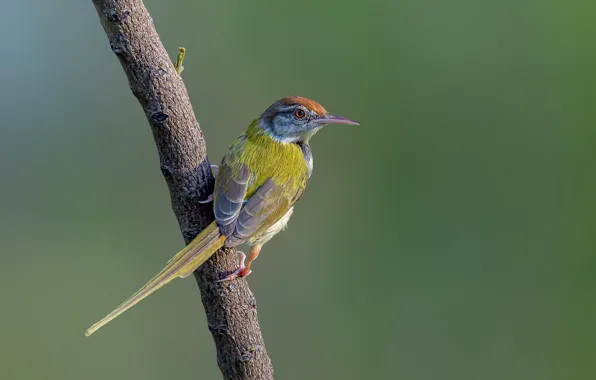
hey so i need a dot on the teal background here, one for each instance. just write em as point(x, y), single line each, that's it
point(450, 236)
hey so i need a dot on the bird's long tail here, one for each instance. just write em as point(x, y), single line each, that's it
point(181, 265)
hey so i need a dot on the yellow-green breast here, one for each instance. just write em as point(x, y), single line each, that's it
point(268, 158)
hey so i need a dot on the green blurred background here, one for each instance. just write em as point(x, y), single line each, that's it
point(450, 236)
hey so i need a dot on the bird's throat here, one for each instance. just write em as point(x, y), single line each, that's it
point(284, 137)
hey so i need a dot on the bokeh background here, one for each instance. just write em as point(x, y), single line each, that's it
point(450, 236)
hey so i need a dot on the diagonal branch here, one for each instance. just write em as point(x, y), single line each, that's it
point(231, 309)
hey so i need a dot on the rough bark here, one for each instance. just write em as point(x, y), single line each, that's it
point(230, 307)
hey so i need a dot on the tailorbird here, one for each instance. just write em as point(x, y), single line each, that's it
point(262, 175)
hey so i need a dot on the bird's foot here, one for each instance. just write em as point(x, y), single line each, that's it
point(208, 200)
point(215, 170)
point(242, 270)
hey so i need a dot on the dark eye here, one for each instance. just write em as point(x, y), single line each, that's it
point(299, 113)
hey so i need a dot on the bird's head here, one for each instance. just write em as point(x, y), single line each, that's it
point(296, 119)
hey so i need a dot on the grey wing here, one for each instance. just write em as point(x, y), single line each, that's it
point(261, 206)
point(229, 198)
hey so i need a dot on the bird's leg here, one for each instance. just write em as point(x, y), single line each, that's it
point(215, 170)
point(244, 270)
point(252, 256)
point(237, 272)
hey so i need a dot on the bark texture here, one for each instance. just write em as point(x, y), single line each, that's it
point(230, 307)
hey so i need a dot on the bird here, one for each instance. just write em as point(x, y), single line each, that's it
point(260, 178)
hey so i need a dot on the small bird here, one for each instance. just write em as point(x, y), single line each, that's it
point(262, 175)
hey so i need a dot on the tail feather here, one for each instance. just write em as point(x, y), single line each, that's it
point(181, 265)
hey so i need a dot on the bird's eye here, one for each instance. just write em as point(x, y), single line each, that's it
point(299, 113)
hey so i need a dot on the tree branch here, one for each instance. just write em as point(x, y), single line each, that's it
point(230, 308)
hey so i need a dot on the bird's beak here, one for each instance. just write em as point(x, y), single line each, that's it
point(332, 119)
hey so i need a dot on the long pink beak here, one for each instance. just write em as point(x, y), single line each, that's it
point(332, 119)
